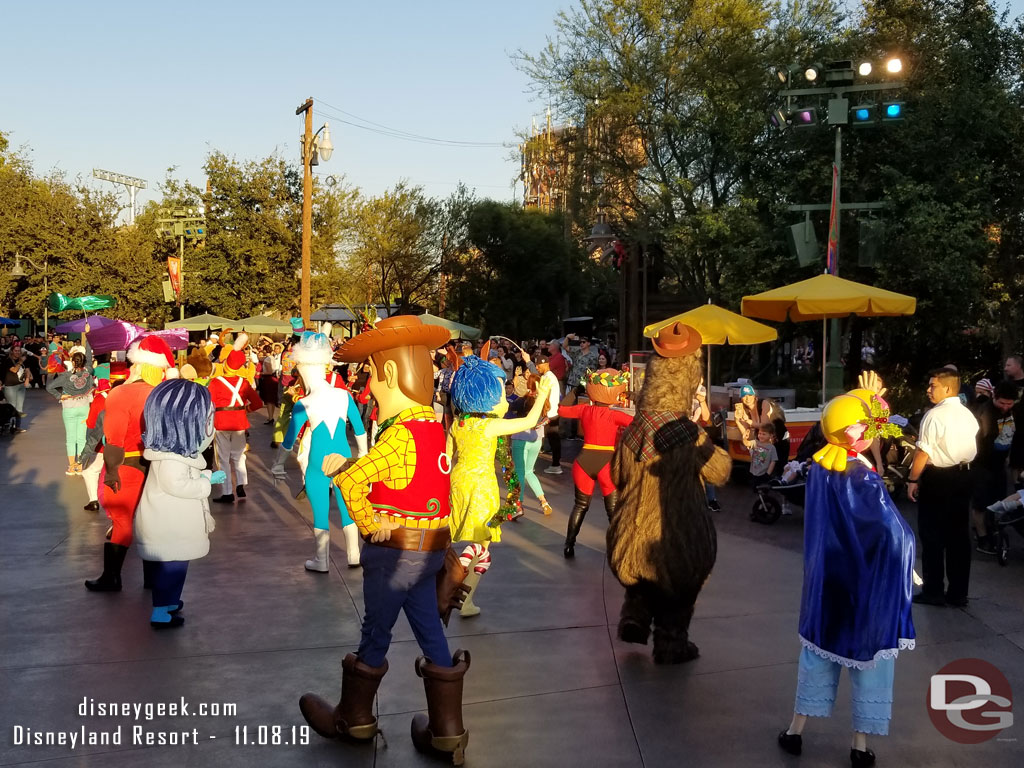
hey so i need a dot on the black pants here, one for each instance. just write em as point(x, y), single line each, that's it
point(944, 525)
point(555, 440)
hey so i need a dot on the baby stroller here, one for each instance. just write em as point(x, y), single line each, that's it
point(1003, 522)
point(7, 418)
point(790, 487)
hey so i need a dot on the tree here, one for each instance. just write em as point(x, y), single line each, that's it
point(396, 247)
point(515, 278)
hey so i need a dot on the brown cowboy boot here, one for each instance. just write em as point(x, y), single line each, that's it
point(441, 731)
point(353, 717)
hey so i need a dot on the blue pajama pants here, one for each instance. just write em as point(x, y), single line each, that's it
point(397, 580)
point(818, 678)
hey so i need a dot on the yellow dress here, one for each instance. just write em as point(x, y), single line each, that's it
point(474, 496)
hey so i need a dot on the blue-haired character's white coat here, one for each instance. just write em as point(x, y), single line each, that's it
point(173, 522)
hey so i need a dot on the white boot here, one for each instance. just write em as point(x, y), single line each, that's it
point(468, 607)
point(322, 561)
point(351, 532)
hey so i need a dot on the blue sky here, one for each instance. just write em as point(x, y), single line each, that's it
point(135, 88)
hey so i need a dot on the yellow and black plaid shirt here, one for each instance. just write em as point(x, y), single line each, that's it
point(391, 461)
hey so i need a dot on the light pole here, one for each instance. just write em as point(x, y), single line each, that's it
point(185, 224)
point(836, 82)
point(314, 147)
point(17, 271)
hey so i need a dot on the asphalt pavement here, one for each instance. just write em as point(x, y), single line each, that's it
point(549, 684)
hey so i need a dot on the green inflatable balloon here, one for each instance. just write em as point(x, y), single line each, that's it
point(58, 302)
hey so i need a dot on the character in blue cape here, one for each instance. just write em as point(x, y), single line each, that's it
point(858, 575)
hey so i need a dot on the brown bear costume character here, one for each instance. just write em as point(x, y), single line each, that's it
point(661, 538)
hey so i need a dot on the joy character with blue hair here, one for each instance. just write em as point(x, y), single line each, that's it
point(478, 398)
point(173, 522)
point(326, 410)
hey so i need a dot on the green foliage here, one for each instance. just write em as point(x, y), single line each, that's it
point(671, 97)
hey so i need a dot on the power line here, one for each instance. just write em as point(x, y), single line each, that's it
point(397, 133)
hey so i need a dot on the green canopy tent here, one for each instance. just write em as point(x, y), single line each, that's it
point(261, 324)
point(203, 322)
point(457, 330)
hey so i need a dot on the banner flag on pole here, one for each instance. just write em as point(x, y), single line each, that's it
point(832, 256)
point(174, 270)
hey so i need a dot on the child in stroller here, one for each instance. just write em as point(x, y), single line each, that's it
point(1006, 513)
point(791, 482)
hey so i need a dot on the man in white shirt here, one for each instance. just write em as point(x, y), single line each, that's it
point(940, 482)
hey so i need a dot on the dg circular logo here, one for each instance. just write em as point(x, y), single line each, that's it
point(969, 701)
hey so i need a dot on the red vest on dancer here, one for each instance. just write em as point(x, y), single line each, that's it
point(426, 496)
point(122, 427)
point(232, 397)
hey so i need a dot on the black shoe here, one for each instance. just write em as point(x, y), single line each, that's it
point(714, 506)
point(956, 602)
point(268, 421)
point(274, 444)
point(92, 506)
point(569, 552)
point(176, 621)
point(861, 759)
point(240, 492)
point(792, 742)
point(986, 545)
point(228, 498)
point(922, 599)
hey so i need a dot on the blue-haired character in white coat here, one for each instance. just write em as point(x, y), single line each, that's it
point(326, 410)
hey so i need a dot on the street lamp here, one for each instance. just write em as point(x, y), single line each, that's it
point(314, 147)
point(18, 271)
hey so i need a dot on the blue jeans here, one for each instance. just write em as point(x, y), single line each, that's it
point(395, 580)
point(16, 397)
point(871, 694)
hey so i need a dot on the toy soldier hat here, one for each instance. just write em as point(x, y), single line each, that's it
point(677, 340)
point(391, 333)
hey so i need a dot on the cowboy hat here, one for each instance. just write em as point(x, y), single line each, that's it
point(677, 340)
point(391, 333)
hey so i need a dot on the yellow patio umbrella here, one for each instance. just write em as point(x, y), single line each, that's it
point(823, 297)
point(718, 326)
point(826, 296)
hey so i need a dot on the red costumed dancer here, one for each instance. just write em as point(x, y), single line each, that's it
point(123, 469)
point(601, 426)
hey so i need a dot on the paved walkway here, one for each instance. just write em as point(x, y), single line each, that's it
point(549, 684)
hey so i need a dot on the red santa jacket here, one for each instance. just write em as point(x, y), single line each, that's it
point(233, 397)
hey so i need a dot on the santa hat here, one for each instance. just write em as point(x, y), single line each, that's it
point(151, 350)
point(236, 359)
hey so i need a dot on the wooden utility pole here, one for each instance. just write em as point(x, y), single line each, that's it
point(307, 206)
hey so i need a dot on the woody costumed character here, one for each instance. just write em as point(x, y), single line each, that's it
point(234, 395)
point(124, 470)
point(398, 496)
point(601, 426)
